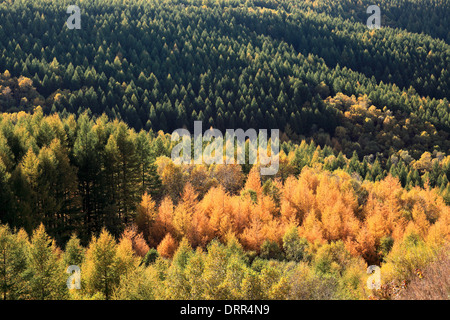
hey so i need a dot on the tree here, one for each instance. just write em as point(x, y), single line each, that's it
point(295, 248)
point(251, 286)
point(184, 212)
point(332, 258)
point(125, 256)
point(6, 194)
point(149, 178)
point(167, 246)
point(146, 215)
point(254, 181)
point(213, 275)
point(139, 244)
point(58, 189)
point(271, 250)
point(139, 284)
point(163, 223)
point(172, 177)
point(26, 176)
point(194, 274)
point(74, 252)
point(121, 150)
point(90, 176)
point(229, 176)
point(150, 257)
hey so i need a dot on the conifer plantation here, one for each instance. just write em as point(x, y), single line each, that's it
point(87, 178)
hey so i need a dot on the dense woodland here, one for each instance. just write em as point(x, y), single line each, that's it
point(208, 232)
point(86, 176)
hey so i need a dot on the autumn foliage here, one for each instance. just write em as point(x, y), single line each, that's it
point(324, 207)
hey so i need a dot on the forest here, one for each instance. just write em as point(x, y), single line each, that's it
point(87, 179)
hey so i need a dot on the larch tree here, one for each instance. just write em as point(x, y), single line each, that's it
point(164, 221)
point(100, 269)
point(13, 261)
point(194, 274)
point(150, 181)
point(214, 272)
point(26, 179)
point(167, 247)
point(184, 212)
point(90, 176)
point(74, 252)
point(146, 215)
point(295, 247)
point(254, 181)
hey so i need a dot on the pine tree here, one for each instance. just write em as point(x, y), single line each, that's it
point(149, 178)
point(90, 176)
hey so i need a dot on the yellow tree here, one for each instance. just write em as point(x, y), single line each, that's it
point(146, 214)
point(172, 177)
point(254, 181)
point(125, 257)
point(163, 223)
point(217, 208)
point(241, 213)
point(45, 269)
point(101, 271)
point(229, 176)
point(364, 245)
point(252, 237)
point(167, 247)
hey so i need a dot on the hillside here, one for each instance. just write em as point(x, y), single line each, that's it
point(161, 65)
